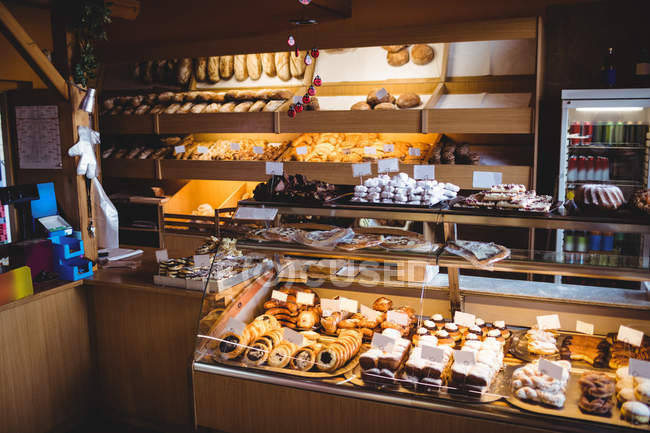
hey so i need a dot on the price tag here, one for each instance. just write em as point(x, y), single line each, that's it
point(301, 150)
point(235, 326)
point(349, 305)
point(485, 179)
point(630, 336)
point(161, 256)
point(382, 342)
point(430, 272)
point(329, 306)
point(305, 298)
point(551, 369)
point(235, 146)
point(432, 353)
point(202, 149)
point(258, 149)
point(179, 149)
point(638, 368)
point(387, 165)
point(370, 150)
point(381, 93)
point(202, 260)
point(293, 337)
point(274, 168)
point(370, 313)
point(584, 327)
point(425, 172)
point(398, 317)
point(256, 213)
point(297, 99)
point(280, 296)
point(552, 321)
point(464, 319)
point(414, 151)
point(361, 169)
point(389, 148)
point(465, 357)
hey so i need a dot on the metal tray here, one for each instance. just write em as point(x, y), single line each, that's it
point(519, 347)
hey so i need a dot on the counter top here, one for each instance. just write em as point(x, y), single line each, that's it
point(41, 291)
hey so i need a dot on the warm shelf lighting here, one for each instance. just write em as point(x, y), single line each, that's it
point(610, 109)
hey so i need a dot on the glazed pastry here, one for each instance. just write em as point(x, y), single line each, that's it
point(438, 320)
point(642, 392)
point(625, 394)
point(596, 385)
point(635, 412)
point(382, 304)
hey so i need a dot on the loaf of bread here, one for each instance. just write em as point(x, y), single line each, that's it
point(201, 68)
point(280, 94)
point(184, 71)
point(228, 107)
point(198, 108)
point(243, 107)
point(212, 108)
point(361, 105)
point(422, 54)
point(408, 100)
point(257, 106)
point(268, 64)
point(151, 99)
point(226, 67)
point(264, 94)
point(373, 98)
point(157, 109)
point(398, 58)
point(246, 95)
point(241, 73)
point(297, 65)
point(385, 106)
point(393, 48)
point(254, 66)
point(213, 69)
point(282, 66)
point(273, 105)
point(179, 97)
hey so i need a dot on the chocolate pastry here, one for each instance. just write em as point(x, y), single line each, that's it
point(597, 385)
point(597, 406)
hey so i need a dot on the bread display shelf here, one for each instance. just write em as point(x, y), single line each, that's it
point(130, 168)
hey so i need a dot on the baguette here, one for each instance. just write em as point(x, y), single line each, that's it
point(184, 71)
point(198, 108)
point(254, 66)
point(142, 109)
point(243, 107)
point(282, 66)
point(297, 65)
point(227, 107)
point(241, 73)
point(281, 94)
point(166, 97)
point(212, 108)
point(273, 105)
point(226, 67)
point(201, 68)
point(257, 106)
point(213, 69)
point(172, 108)
point(185, 108)
point(268, 64)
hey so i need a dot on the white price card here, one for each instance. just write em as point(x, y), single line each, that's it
point(387, 165)
point(430, 272)
point(370, 313)
point(161, 256)
point(584, 327)
point(301, 150)
point(414, 151)
point(551, 321)
point(235, 326)
point(361, 169)
point(293, 337)
point(630, 336)
point(389, 147)
point(349, 305)
point(424, 172)
point(465, 357)
point(258, 149)
point(381, 93)
point(551, 369)
point(305, 298)
point(202, 260)
point(486, 179)
point(280, 296)
point(235, 146)
point(370, 150)
point(297, 99)
point(398, 317)
point(464, 319)
point(202, 149)
point(179, 149)
point(329, 306)
point(256, 213)
point(382, 342)
point(274, 168)
point(638, 368)
point(432, 353)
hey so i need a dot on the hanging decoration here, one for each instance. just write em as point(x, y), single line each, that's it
point(308, 59)
point(315, 53)
point(88, 19)
point(291, 41)
point(311, 91)
point(317, 81)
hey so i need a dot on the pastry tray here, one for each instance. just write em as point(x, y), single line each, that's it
point(461, 206)
point(570, 409)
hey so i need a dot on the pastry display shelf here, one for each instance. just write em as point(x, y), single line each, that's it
point(606, 182)
point(623, 146)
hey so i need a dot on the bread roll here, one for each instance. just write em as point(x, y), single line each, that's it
point(268, 64)
point(361, 105)
point(212, 108)
point(201, 68)
point(408, 100)
point(185, 108)
point(213, 69)
point(170, 71)
point(297, 65)
point(421, 54)
point(385, 106)
point(257, 106)
point(184, 71)
point(373, 99)
point(243, 107)
point(226, 66)
point(198, 108)
point(398, 58)
point(240, 67)
point(254, 66)
point(273, 105)
point(282, 66)
point(393, 48)
point(227, 107)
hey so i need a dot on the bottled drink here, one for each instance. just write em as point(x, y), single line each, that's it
point(587, 133)
point(575, 129)
point(618, 134)
point(609, 69)
point(642, 70)
point(572, 174)
point(591, 168)
point(609, 133)
point(582, 168)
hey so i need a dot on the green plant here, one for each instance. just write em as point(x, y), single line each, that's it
point(89, 17)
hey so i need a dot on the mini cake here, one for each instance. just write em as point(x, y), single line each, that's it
point(626, 394)
point(642, 392)
point(444, 339)
point(601, 197)
point(453, 331)
point(501, 326)
point(496, 334)
point(430, 325)
point(438, 320)
point(476, 330)
point(635, 412)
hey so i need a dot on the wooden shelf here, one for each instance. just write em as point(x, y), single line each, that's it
point(131, 168)
point(217, 122)
point(480, 120)
point(353, 121)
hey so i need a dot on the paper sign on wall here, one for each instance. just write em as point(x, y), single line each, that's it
point(370, 150)
point(348, 305)
point(361, 169)
point(432, 353)
point(202, 260)
point(202, 149)
point(258, 149)
point(235, 326)
point(388, 165)
point(280, 296)
point(301, 150)
point(465, 357)
point(389, 148)
point(584, 327)
point(274, 168)
point(638, 368)
point(486, 179)
point(551, 369)
point(464, 319)
point(551, 321)
point(630, 336)
point(293, 337)
point(370, 313)
point(305, 298)
point(382, 342)
point(398, 317)
point(161, 256)
point(235, 146)
point(179, 149)
point(424, 172)
point(256, 213)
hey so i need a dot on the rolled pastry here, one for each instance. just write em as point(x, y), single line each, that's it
point(305, 357)
point(280, 356)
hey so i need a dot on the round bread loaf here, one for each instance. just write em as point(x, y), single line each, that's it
point(422, 54)
point(398, 58)
point(385, 106)
point(408, 100)
point(361, 105)
point(393, 48)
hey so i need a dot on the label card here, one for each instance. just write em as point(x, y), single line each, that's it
point(398, 317)
point(584, 327)
point(464, 319)
point(280, 296)
point(305, 298)
point(235, 326)
point(387, 165)
point(349, 305)
point(202, 149)
point(432, 353)
point(630, 336)
point(256, 213)
point(552, 321)
point(258, 149)
point(329, 306)
point(414, 151)
point(381, 93)
point(424, 172)
point(274, 168)
point(293, 337)
point(551, 369)
point(638, 368)
point(430, 272)
point(161, 256)
point(235, 146)
point(361, 169)
point(382, 342)
point(465, 357)
point(301, 150)
point(370, 150)
point(370, 313)
point(179, 149)
point(202, 260)
point(485, 179)
point(297, 99)
point(389, 148)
